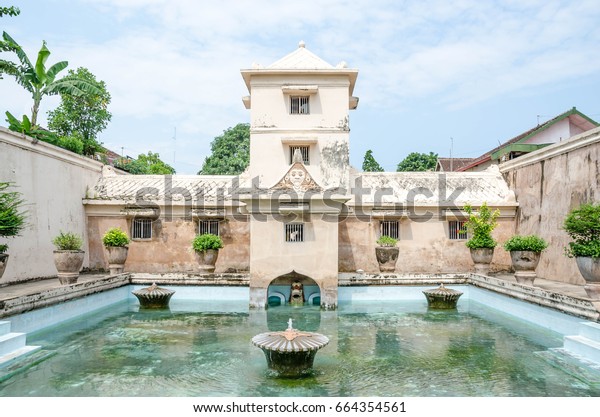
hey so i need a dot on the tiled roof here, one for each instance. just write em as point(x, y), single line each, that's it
point(487, 156)
point(452, 164)
point(178, 188)
point(433, 188)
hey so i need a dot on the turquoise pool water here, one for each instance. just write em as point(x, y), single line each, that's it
point(384, 348)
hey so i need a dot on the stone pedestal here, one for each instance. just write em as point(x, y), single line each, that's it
point(154, 297)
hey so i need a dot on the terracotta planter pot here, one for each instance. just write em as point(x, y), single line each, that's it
point(387, 257)
point(482, 258)
point(524, 263)
point(68, 264)
point(207, 260)
point(3, 262)
point(117, 255)
point(590, 270)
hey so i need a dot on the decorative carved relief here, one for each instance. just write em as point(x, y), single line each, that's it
point(297, 179)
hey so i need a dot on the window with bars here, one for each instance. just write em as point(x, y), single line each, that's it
point(208, 226)
point(294, 232)
point(299, 105)
point(389, 228)
point(303, 150)
point(457, 230)
point(141, 229)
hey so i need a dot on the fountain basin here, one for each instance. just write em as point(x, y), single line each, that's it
point(154, 297)
point(442, 298)
point(290, 353)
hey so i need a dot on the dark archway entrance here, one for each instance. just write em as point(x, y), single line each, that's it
point(293, 288)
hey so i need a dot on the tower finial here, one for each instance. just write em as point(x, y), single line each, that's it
point(301, 44)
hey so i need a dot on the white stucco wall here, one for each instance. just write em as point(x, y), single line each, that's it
point(557, 132)
point(325, 129)
point(53, 182)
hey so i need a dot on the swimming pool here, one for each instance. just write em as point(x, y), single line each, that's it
point(383, 342)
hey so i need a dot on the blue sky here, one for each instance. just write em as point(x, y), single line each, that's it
point(479, 72)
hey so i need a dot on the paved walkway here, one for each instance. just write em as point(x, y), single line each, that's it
point(34, 287)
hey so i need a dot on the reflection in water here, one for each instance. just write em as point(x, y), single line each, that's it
point(376, 349)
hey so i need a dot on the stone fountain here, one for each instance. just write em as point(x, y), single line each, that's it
point(153, 296)
point(442, 298)
point(292, 352)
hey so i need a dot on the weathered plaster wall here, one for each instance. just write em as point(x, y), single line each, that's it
point(53, 182)
point(548, 184)
point(425, 247)
point(271, 257)
point(170, 249)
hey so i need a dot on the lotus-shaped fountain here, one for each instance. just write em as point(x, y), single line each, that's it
point(153, 296)
point(442, 298)
point(292, 352)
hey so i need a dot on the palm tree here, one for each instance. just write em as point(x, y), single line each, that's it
point(38, 80)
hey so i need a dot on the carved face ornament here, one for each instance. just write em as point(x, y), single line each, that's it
point(297, 177)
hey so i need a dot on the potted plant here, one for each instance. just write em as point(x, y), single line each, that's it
point(115, 241)
point(12, 219)
point(387, 253)
point(583, 226)
point(68, 257)
point(206, 246)
point(480, 225)
point(525, 255)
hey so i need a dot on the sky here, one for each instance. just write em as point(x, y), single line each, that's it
point(436, 76)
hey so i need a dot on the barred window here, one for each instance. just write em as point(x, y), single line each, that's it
point(303, 150)
point(299, 105)
point(208, 226)
point(389, 228)
point(141, 229)
point(294, 232)
point(457, 230)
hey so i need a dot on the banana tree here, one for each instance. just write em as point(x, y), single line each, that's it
point(38, 80)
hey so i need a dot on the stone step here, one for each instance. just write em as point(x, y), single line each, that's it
point(590, 330)
point(582, 346)
point(17, 354)
point(10, 342)
point(4, 327)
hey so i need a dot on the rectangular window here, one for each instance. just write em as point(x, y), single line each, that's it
point(299, 105)
point(208, 226)
point(457, 230)
point(389, 228)
point(141, 229)
point(294, 232)
point(303, 150)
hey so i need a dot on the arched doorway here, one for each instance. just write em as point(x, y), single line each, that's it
point(293, 288)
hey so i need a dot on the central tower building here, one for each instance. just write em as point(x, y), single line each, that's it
point(299, 170)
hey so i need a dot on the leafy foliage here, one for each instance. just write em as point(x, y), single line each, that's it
point(39, 80)
point(67, 241)
point(583, 226)
point(370, 164)
point(230, 152)
point(84, 115)
point(115, 237)
point(12, 218)
point(480, 225)
point(206, 241)
point(387, 241)
point(9, 11)
point(528, 243)
point(416, 161)
point(149, 164)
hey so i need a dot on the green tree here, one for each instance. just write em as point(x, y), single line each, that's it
point(38, 80)
point(145, 164)
point(416, 161)
point(10, 11)
point(83, 114)
point(12, 218)
point(230, 152)
point(370, 164)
